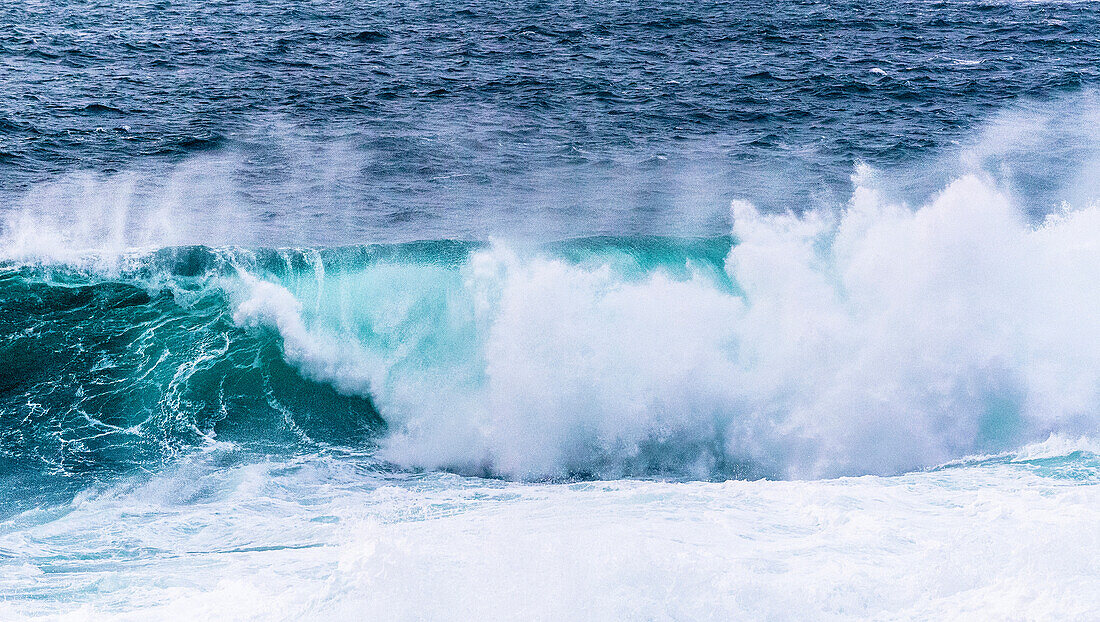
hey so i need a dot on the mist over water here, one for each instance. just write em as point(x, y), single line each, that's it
point(1042, 154)
point(328, 123)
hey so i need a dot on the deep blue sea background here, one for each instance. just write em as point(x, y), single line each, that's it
point(351, 121)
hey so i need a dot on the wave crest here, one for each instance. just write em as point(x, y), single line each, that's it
point(879, 339)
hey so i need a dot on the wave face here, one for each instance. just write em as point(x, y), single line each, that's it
point(880, 339)
point(105, 371)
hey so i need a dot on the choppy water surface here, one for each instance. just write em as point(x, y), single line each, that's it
point(549, 310)
point(368, 121)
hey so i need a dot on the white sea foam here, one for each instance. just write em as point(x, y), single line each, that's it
point(877, 340)
point(317, 539)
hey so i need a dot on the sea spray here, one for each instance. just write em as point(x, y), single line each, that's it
point(880, 339)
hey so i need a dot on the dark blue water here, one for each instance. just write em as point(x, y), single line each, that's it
point(351, 122)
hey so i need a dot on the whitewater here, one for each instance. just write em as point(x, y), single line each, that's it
point(1007, 537)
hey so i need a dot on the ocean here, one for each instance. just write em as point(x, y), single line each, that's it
point(318, 310)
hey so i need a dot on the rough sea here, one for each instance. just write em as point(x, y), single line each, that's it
point(344, 310)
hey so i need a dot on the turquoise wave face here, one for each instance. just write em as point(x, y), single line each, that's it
point(111, 369)
point(876, 341)
point(106, 373)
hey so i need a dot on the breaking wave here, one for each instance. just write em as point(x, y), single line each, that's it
point(879, 339)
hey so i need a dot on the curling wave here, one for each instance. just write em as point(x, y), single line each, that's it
point(880, 339)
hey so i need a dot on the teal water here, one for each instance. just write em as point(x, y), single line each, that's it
point(109, 370)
